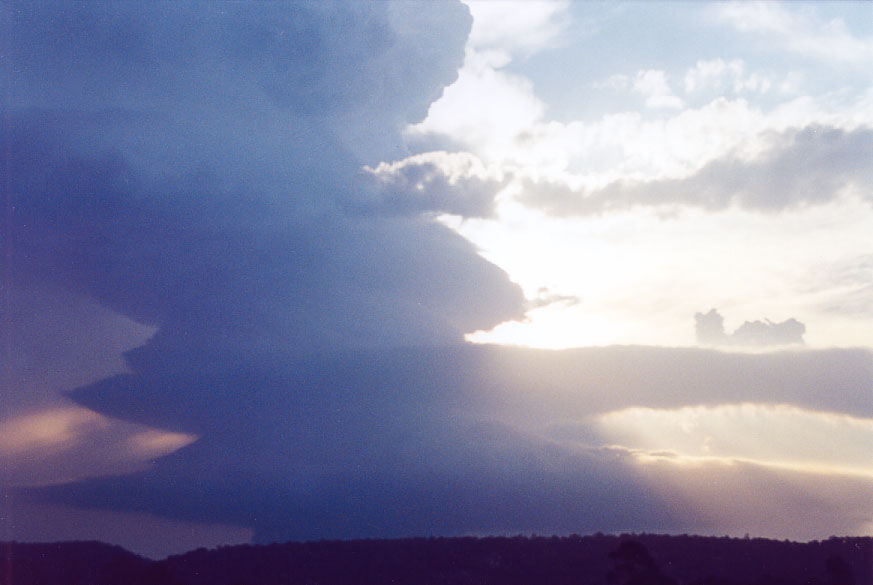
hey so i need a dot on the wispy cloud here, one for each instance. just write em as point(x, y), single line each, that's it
point(799, 29)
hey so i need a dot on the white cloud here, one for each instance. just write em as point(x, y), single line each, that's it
point(485, 109)
point(799, 167)
point(653, 85)
point(723, 76)
point(650, 83)
point(508, 25)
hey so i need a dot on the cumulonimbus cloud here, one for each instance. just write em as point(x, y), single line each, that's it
point(201, 172)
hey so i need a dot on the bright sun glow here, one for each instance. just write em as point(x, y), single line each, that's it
point(675, 229)
point(637, 277)
point(778, 436)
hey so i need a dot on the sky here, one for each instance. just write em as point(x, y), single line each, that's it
point(298, 271)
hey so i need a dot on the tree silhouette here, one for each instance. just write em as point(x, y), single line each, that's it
point(839, 571)
point(633, 565)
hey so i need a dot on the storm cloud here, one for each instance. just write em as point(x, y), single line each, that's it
point(435, 441)
point(194, 175)
point(199, 173)
point(208, 177)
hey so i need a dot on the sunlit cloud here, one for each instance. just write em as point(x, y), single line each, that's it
point(486, 109)
point(448, 182)
point(652, 84)
point(516, 26)
point(766, 469)
point(631, 272)
point(557, 327)
point(735, 497)
point(53, 430)
point(69, 443)
point(155, 443)
point(778, 436)
point(724, 76)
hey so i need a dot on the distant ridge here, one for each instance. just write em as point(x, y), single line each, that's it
point(629, 559)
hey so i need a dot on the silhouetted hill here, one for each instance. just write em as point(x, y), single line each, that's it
point(612, 560)
point(70, 563)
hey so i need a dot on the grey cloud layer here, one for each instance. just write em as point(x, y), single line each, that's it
point(805, 166)
point(436, 182)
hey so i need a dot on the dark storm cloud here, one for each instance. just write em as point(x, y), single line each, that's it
point(197, 167)
point(805, 166)
point(429, 441)
point(189, 170)
point(58, 341)
point(318, 58)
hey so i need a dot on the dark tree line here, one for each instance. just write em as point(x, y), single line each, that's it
point(574, 560)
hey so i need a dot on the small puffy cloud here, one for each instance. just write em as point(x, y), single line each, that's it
point(437, 182)
point(709, 328)
point(769, 333)
point(652, 84)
